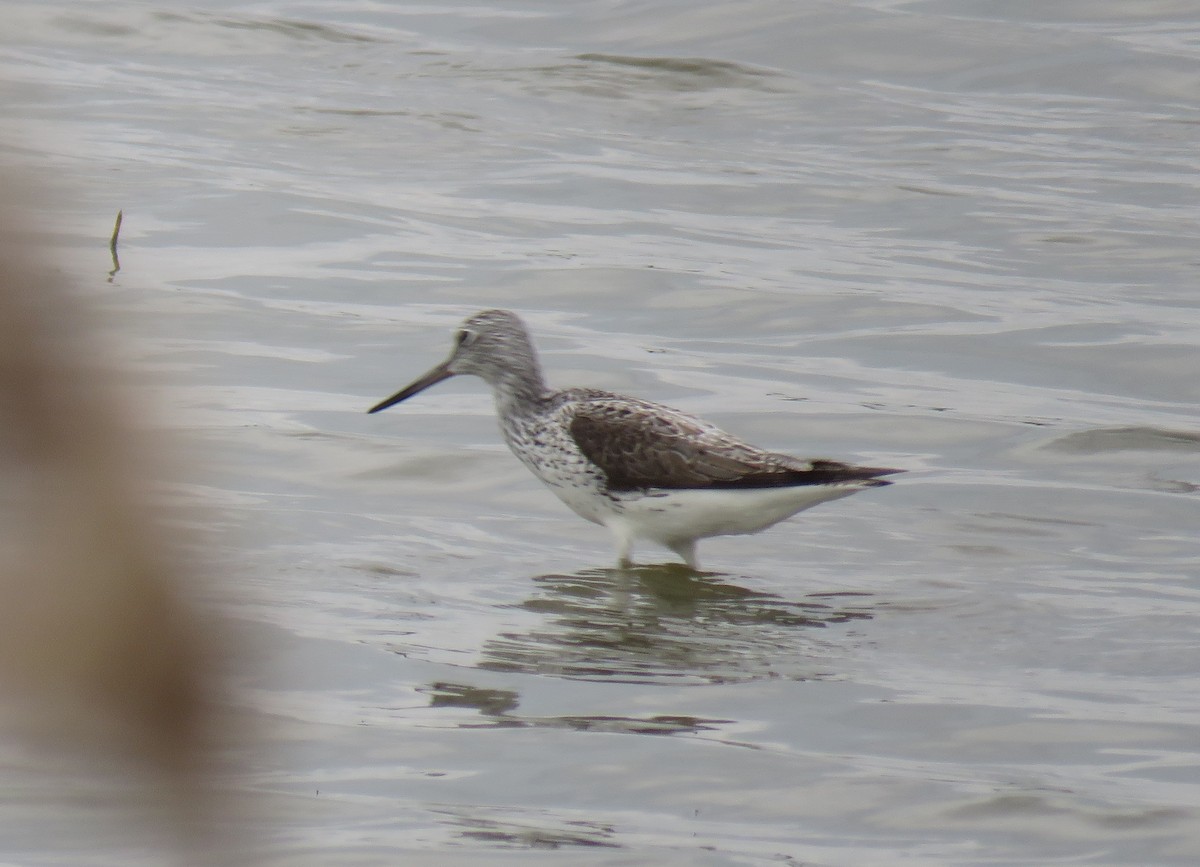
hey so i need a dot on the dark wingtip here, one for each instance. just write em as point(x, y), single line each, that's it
point(870, 476)
point(835, 471)
point(822, 473)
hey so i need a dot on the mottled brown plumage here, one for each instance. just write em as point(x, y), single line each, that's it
point(638, 445)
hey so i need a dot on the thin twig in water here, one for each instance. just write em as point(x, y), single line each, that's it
point(112, 245)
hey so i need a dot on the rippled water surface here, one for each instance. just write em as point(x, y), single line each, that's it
point(957, 237)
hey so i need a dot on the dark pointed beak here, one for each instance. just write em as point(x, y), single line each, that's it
point(442, 371)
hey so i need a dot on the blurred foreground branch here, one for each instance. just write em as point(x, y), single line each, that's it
point(100, 654)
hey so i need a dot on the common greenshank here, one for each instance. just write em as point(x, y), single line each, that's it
point(641, 469)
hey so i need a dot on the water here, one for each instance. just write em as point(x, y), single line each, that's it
point(954, 237)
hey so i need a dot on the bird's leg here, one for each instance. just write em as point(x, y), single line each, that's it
point(686, 548)
point(624, 542)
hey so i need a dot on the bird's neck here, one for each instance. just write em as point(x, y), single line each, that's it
point(519, 388)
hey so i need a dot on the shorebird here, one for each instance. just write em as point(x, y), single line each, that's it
point(641, 469)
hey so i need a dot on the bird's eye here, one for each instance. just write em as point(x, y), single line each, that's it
point(462, 337)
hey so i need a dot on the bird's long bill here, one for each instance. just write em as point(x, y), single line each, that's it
point(442, 371)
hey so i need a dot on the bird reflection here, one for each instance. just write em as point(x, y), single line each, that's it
point(497, 707)
point(669, 624)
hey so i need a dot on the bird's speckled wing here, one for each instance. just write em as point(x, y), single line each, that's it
point(639, 444)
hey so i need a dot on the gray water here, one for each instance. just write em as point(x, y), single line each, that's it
point(957, 237)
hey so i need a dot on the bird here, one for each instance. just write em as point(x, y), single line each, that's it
point(643, 470)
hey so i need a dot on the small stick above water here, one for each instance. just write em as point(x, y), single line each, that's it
point(112, 245)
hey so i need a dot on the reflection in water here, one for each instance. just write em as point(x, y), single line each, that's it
point(669, 624)
point(530, 829)
point(490, 702)
point(497, 705)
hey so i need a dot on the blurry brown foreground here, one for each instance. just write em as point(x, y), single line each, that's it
point(101, 659)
